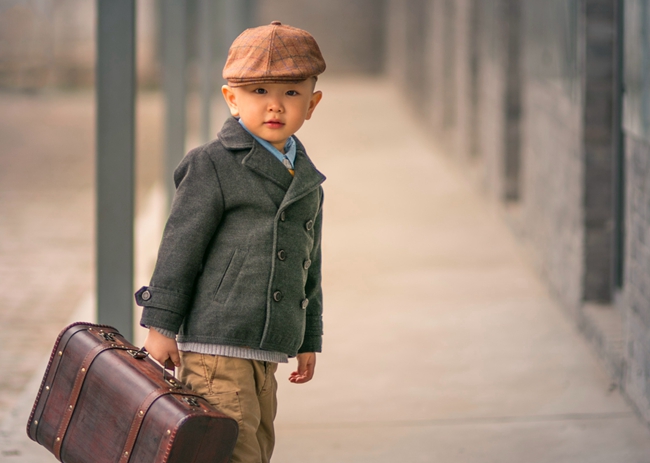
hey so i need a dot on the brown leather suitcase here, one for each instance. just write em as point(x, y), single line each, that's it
point(102, 400)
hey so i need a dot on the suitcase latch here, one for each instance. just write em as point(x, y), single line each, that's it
point(191, 401)
point(137, 354)
point(169, 379)
point(173, 382)
point(107, 336)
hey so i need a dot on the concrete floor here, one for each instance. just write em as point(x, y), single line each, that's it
point(441, 344)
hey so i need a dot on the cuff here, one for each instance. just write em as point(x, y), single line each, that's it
point(168, 333)
point(160, 298)
point(311, 344)
point(161, 318)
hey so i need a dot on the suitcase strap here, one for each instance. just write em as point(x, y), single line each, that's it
point(136, 424)
point(74, 396)
point(76, 390)
point(50, 372)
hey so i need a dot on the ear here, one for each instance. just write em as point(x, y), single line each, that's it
point(231, 100)
point(313, 102)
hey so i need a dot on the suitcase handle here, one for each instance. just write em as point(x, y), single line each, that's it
point(168, 366)
point(169, 378)
point(138, 354)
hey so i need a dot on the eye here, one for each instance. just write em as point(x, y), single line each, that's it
point(260, 91)
point(292, 93)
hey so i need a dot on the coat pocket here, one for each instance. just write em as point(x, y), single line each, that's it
point(230, 276)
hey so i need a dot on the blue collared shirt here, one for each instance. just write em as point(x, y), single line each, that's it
point(289, 148)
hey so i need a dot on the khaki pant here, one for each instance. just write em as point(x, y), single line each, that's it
point(242, 389)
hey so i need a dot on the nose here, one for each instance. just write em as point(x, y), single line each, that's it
point(275, 105)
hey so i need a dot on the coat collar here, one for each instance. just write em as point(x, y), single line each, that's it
point(234, 137)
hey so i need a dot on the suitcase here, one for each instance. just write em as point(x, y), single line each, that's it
point(102, 400)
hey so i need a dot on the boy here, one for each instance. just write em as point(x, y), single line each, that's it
point(238, 270)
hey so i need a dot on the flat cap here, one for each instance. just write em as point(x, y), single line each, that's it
point(272, 54)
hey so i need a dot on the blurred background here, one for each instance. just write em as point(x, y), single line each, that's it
point(488, 168)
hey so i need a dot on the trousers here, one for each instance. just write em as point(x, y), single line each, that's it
point(245, 390)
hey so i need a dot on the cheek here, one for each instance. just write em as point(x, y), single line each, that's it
point(300, 109)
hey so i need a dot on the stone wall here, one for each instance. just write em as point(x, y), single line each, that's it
point(536, 132)
point(454, 60)
point(599, 139)
point(550, 204)
point(636, 293)
point(52, 43)
point(525, 96)
point(497, 80)
point(462, 131)
point(350, 33)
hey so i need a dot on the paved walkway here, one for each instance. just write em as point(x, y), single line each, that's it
point(46, 217)
point(441, 344)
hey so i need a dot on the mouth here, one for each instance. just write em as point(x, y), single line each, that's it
point(274, 124)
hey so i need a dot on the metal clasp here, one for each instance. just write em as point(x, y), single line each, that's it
point(138, 354)
point(169, 377)
point(107, 336)
point(191, 401)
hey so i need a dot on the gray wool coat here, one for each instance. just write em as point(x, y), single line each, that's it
point(240, 258)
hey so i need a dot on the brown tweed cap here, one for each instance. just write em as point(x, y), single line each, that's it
point(272, 54)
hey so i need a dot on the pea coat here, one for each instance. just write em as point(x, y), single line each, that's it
point(240, 258)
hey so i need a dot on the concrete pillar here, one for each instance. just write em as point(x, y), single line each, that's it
point(116, 87)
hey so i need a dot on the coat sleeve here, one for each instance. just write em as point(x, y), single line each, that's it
point(195, 214)
point(313, 339)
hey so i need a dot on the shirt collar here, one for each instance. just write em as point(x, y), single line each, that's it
point(289, 147)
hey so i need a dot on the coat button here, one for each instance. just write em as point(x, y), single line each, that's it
point(306, 264)
point(283, 216)
point(304, 304)
point(146, 295)
point(309, 225)
point(277, 296)
point(282, 254)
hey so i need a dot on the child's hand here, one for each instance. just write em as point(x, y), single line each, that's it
point(161, 348)
point(306, 366)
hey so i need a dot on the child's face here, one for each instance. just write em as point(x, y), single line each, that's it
point(273, 112)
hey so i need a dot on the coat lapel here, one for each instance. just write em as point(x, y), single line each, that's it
point(259, 160)
point(265, 164)
point(306, 179)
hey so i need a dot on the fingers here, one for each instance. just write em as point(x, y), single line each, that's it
point(159, 356)
point(175, 356)
point(297, 378)
point(306, 367)
point(162, 348)
point(173, 360)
